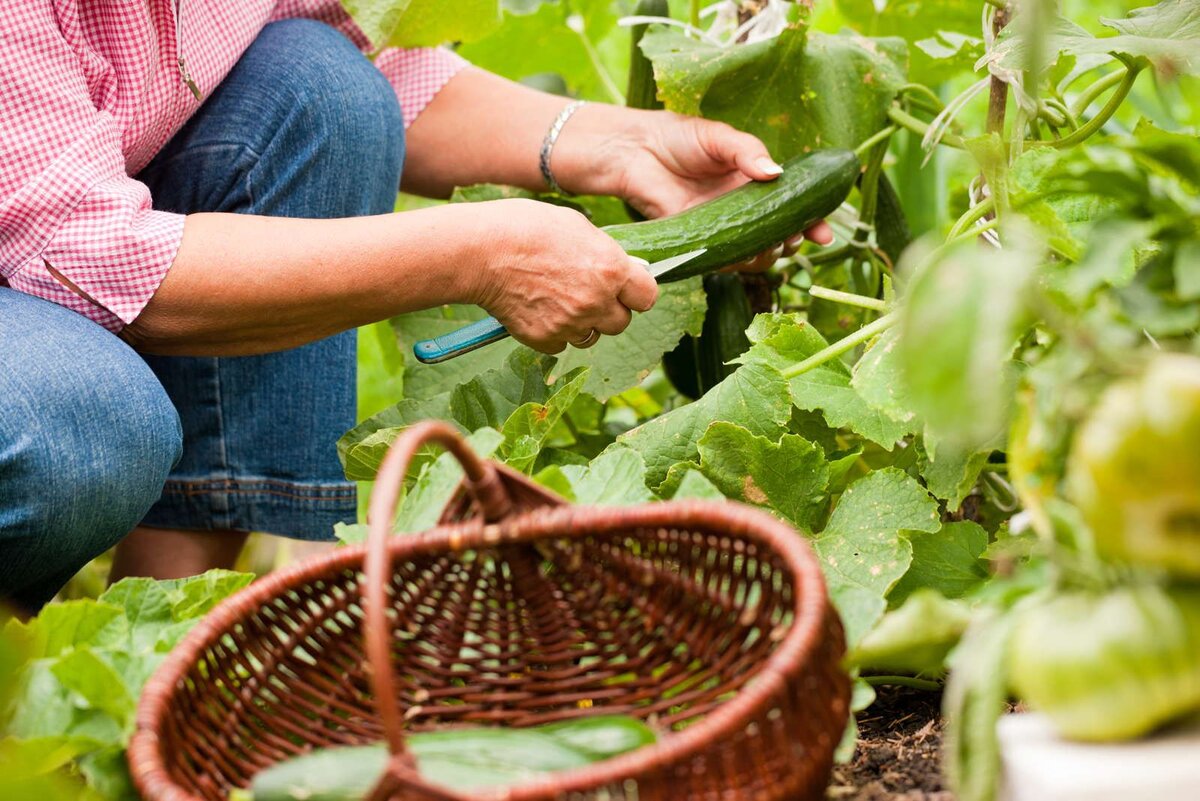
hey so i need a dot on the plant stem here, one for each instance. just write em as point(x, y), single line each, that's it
point(1105, 114)
point(904, 681)
point(873, 140)
point(1095, 89)
point(998, 100)
point(976, 212)
point(911, 123)
point(976, 230)
point(921, 89)
point(694, 14)
point(842, 345)
point(847, 298)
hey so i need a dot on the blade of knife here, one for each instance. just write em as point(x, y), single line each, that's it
point(666, 265)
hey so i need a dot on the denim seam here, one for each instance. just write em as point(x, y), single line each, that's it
point(226, 514)
point(326, 492)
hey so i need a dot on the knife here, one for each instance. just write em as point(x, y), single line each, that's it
point(489, 329)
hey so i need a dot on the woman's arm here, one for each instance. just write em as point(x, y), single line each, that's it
point(244, 284)
point(481, 128)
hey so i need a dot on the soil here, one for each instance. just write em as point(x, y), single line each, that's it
point(899, 754)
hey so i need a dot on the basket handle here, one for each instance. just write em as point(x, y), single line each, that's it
point(481, 481)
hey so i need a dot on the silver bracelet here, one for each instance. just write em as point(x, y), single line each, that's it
point(551, 138)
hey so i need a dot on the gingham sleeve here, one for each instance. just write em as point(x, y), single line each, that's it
point(74, 228)
point(417, 74)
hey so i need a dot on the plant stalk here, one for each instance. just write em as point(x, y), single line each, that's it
point(911, 123)
point(1095, 89)
point(842, 345)
point(847, 298)
point(1093, 125)
point(903, 681)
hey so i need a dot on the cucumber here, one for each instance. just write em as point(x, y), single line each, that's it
point(641, 91)
point(460, 759)
point(891, 226)
point(698, 364)
point(746, 221)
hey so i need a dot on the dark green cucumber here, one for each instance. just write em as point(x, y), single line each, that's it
point(461, 759)
point(746, 221)
point(698, 364)
point(891, 226)
point(641, 91)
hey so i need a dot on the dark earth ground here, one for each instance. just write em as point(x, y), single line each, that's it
point(899, 751)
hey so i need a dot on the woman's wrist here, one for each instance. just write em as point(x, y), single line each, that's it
point(597, 140)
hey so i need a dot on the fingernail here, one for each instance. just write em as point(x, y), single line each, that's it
point(640, 260)
point(768, 166)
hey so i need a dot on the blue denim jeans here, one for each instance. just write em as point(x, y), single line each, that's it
point(95, 439)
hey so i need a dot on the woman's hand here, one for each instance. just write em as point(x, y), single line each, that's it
point(663, 163)
point(552, 277)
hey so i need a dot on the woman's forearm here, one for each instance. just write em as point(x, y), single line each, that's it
point(243, 284)
point(481, 128)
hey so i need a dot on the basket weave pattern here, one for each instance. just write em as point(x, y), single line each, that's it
point(708, 619)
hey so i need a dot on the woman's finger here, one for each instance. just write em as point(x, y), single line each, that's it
point(639, 290)
point(733, 148)
point(615, 320)
point(820, 233)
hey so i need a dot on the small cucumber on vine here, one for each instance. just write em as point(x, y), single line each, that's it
point(746, 221)
point(642, 91)
point(697, 364)
point(891, 226)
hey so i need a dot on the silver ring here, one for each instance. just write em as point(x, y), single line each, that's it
point(589, 340)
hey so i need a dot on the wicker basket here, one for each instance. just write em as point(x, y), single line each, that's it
point(710, 619)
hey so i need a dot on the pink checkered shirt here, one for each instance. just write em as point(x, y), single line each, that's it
point(89, 92)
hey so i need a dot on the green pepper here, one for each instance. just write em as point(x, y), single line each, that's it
point(1134, 468)
point(1110, 666)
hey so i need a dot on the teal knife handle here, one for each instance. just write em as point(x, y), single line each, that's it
point(456, 343)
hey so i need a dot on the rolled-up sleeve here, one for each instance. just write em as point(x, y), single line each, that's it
point(75, 229)
point(417, 74)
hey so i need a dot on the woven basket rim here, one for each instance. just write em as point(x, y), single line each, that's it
point(811, 606)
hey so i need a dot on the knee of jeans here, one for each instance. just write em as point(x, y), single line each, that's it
point(96, 460)
point(346, 101)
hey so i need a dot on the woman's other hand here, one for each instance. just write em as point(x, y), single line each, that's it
point(663, 163)
point(552, 277)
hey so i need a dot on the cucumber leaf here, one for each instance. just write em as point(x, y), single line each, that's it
point(862, 551)
point(755, 396)
point(781, 341)
point(799, 91)
point(789, 476)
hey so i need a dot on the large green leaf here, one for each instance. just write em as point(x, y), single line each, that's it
point(799, 91)
point(784, 340)
point(568, 38)
point(1168, 34)
point(862, 550)
point(485, 399)
point(616, 477)
point(944, 33)
point(755, 397)
point(789, 476)
point(948, 560)
point(915, 638)
point(423, 23)
point(526, 429)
